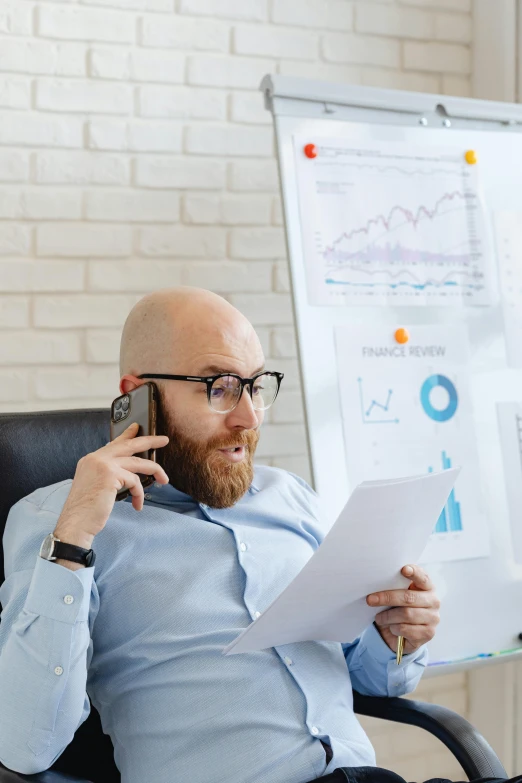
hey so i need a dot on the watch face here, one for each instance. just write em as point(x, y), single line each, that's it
point(47, 548)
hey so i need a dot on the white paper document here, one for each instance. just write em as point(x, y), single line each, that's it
point(510, 426)
point(384, 526)
point(391, 224)
point(407, 409)
point(508, 231)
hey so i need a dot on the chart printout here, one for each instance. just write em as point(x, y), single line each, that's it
point(508, 235)
point(406, 410)
point(390, 224)
point(510, 429)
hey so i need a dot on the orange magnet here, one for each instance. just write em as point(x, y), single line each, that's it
point(470, 157)
point(402, 336)
point(310, 151)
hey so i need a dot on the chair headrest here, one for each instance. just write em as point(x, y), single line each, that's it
point(42, 448)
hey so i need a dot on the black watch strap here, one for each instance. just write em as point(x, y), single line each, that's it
point(76, 554)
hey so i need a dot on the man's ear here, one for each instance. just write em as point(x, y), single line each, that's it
point(130, 382)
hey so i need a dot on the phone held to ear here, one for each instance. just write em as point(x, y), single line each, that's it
point(138, 405)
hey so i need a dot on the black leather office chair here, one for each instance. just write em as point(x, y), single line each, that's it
point(39, 449)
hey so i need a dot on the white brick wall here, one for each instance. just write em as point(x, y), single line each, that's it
point(88, 97)
point(180, 173)
point(187, 34)
point(135, 153)
point(318, 14)
point(85, 24)
point(14, 166)
point(14, 92)
point(182, 103)
point(354, 48)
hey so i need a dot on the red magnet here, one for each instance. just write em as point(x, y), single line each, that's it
point(310, 151)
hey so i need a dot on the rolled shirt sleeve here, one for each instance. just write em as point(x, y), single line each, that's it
point(374, 670)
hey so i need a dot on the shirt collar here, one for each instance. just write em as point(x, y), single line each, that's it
point(169, 495)
point(166, 493)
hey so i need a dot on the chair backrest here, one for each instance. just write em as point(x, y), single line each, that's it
point(36, 450)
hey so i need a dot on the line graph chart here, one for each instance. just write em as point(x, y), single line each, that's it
point(399, 226)
point(381, 408)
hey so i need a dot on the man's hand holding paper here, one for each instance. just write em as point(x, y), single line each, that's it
point(383, 525)
point(414, 613)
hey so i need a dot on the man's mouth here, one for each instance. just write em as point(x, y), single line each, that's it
point(234, 453)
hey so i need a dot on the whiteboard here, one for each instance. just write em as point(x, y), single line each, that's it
point(481, 611)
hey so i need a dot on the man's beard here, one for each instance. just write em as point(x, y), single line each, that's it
point(200, 471)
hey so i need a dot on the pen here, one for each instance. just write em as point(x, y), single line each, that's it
point(400, 648)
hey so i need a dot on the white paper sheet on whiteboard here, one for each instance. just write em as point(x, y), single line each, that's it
point(391, 224)
point(384, 526)
point(508, 231)
point(510, 427)
point(408, 408)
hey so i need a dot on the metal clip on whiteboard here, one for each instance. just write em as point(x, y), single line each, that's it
point(442, 112)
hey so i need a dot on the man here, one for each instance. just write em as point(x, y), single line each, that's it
point(179, 572)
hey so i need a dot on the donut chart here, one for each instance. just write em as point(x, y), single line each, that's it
point(427, 387)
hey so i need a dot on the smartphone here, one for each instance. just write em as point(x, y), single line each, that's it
point(138, 405)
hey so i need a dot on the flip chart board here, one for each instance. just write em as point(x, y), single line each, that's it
point(405, 248)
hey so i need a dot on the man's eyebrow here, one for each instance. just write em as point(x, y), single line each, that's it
point(214, 369)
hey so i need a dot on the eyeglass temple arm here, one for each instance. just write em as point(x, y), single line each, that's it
point(174, 377)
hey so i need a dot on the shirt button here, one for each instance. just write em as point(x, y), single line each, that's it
point(257, 614)
point(314, 730)
point(242, 547)
point(288, 660)
point(58, 670)
point(68, 599)
point(147, 496)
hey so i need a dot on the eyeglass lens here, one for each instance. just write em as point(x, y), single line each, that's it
point(225, 392)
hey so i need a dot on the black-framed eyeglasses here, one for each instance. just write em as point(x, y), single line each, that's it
point(225, 389)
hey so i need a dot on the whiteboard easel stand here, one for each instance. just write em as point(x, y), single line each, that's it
point(496, 691)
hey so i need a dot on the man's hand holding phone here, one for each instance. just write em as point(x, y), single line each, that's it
point(99, 476)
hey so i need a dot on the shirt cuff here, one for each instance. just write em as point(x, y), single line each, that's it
point(379, 650)
point(58, 593)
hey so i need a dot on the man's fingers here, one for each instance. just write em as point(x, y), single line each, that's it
point(404, 598)
point(141, 443)
point(131, 444)
point(415, 634)
point(418, 576)
point(134, 485)
point(420, 583)
point(410, 616)
point(130, 432)
point(145, 466)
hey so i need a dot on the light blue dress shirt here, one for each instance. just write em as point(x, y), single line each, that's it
point(142, 633)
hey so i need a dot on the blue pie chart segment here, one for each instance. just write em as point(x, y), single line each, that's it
point(434, 413)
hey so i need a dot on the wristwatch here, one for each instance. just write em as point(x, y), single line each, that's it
point(54, 549)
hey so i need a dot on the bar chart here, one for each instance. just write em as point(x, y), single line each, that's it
point(450, 520)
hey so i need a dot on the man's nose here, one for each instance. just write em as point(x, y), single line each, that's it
point(244, 414)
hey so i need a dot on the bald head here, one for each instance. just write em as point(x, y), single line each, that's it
point(168, 330)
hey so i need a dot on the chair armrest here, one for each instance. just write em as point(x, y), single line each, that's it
point(8, 776)
point(474, 754)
